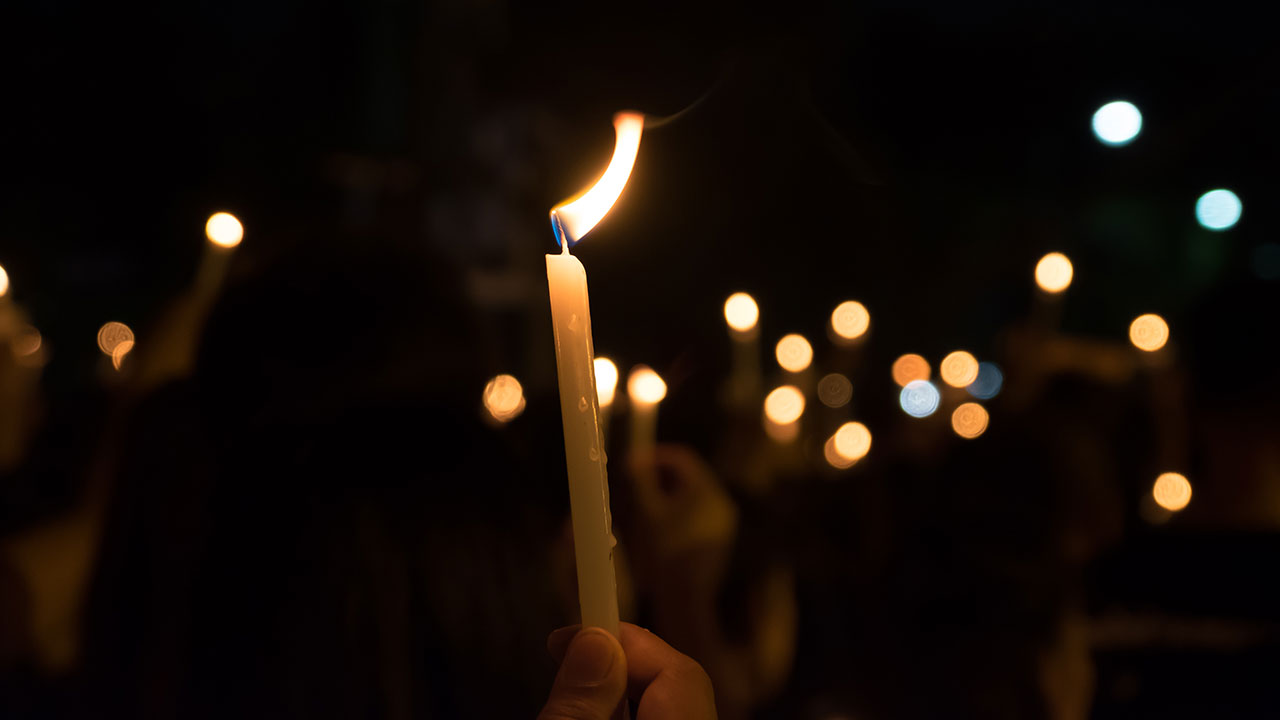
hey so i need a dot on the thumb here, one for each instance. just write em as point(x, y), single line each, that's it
point(592, 679)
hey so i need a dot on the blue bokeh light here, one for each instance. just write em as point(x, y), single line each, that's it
point(919, 398)
point(988, 383)
point(1218, 209)
point(1117, 123)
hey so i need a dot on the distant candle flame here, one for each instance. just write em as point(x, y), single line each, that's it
point(224, 230)
point(741, 312)
point(606, 380)
point(113, 334)
point(645, 387)
point(1172, 491)
point(4, 282)
point(575, 218)
point(504, 398)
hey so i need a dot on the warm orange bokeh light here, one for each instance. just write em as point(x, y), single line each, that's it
point(1148, 332)
point(1054, 272)
point(112, 334)
point(4, 281)
point(1172, 491)
point(606, 380)
point(117, 354)
point(969, 420)
point(834, 458)
point(958, 369)
point(576, 217)
point(850, 320)
point(910, 367)
point(504, 398)
point(741, 312)
point(224, 230)
point(645, 387)
point(27, 342)
point(794, 353)
point(852, 441)
point(784, 405)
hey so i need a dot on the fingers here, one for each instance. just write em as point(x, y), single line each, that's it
point(668, 684)
point(592, 679)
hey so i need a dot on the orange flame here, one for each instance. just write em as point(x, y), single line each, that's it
point(575, 217)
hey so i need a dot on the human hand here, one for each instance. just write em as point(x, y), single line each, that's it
point(597, 671)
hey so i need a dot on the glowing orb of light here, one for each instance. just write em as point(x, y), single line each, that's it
point(910, 367)
point(852, 441)
point(969, 420)
point(504, 398)
point(1172, 491)
point(1148, 332)
point(919, 398)
point(1218, 209)
point(850, 320)
point(784, 405)
point(741, 312)
point(606, 380)
point(958, 369)
point(794, 353)
point(644, 386)
point(118, 353)
point(27, 342)
point(224, 230)
point(833, 457)
point(1054, 272)
point(835, 390)
point(112, 334)
point(4, 281)
point(989, 381)
point(1117, 123)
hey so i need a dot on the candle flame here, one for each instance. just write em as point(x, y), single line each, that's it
point(645, 387)
point(574, 218)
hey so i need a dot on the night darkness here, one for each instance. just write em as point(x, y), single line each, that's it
point(293, 495)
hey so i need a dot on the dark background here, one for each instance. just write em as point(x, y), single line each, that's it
point(918, 157)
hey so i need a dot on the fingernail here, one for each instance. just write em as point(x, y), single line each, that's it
point(590, 658)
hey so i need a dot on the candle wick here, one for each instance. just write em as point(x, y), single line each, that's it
point(557, 228)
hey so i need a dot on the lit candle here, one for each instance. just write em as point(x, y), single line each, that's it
point(742, 315)
point(579, 405)
point(606, 386)
point(645, 390)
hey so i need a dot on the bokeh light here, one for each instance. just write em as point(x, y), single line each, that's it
point(1148, 332)
point(1172, 491)
point(741, 312)
point(644, 386)
point(794, 353)
point(606, 381)
point(835, 390)
point(119, 351)
point(919, 398)
point(112, 334)
point(1218, 209)
point(910, 367)
point(224, 230)
point(852, 441)
point(784, 405)
point(1054, 272)
point(850, 320)
point(504, 398)
point(1117, 123)
point(990, 380)
point(969, 420)
point(27, 342)
point(4, 282)
point(833, 457)
point(958, 369)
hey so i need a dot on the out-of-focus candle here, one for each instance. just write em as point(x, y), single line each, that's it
point(4, 282)
point(645, 390)
point(742, 316)
point(579, 400)
point(606, 387)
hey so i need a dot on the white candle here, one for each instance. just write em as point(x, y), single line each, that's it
point(741, 314)
point(579, 405)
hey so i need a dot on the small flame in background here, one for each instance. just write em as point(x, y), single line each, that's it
point(606, 380)
point(741, 312)
point(504, 398)
point(224, 230)
point(1172, 491)
point(574, 218)
point(644, 386)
